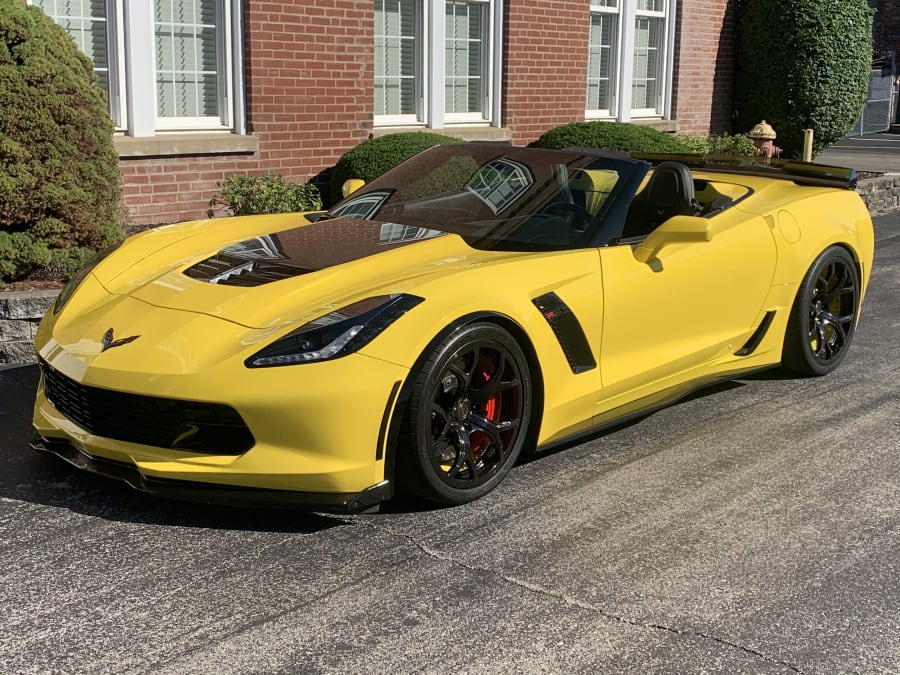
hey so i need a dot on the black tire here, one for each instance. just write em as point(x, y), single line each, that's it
point(467, 418)
point(823, 318)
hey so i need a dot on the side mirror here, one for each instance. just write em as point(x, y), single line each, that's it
point(676, 230)
point(351, 185)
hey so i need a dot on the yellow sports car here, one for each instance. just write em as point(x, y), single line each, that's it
point(476, 302)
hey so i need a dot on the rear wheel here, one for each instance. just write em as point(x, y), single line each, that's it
point(823, 317)
point(467, 418)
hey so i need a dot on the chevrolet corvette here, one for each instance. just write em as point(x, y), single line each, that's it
point(475, 303)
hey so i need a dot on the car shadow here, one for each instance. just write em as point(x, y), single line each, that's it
point(46, 480)
point(32, 477)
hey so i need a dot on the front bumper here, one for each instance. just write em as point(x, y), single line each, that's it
point(210, 493)
point(318, 432)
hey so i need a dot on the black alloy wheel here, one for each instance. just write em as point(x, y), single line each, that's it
point(823, 319)
point(468, 416)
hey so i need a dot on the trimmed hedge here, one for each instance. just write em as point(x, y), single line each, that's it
point(59, 172)
point(740, 145)
point(611, 136)
point(373, 157)
point(251, 195)
point(809, 69)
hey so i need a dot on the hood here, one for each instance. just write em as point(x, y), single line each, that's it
point(256, 275)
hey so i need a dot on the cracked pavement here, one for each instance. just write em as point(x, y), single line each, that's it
point(752, 528)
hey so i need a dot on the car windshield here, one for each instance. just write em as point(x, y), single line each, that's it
point(494, 196)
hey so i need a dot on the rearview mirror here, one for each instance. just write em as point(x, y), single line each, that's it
point(676, 230)
point(351, 185)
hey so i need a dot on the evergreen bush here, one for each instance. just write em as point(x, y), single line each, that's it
point(720, 144)
point(59, 173)
point(809, 69)
point(611, 136)
point(373, 157)
point(250, 195)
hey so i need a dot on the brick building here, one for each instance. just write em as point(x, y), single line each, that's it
point(200, 89)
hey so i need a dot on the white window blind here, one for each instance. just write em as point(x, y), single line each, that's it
point(601, 61)
point(86, 22)
point(395, 57)
point(186, 58)
point(464, 57)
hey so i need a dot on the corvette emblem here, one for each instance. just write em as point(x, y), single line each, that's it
point(108, 342)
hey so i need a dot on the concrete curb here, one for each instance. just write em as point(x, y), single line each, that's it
point(21, 311)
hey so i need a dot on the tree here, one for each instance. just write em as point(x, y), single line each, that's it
point(59, 175)
point(803, 64)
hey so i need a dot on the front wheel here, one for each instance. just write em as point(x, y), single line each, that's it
point(823, 318)
point(467, 418)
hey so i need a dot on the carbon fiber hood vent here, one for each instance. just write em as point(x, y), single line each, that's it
point(227, 269)
point(301, 250)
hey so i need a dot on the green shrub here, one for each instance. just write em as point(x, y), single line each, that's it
point(720, 144)
point(59, 172)
point(250, 195)
point(373, 157)
point(809, 69)
point(611, 136)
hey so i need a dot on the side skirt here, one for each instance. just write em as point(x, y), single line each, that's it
point(643, 407)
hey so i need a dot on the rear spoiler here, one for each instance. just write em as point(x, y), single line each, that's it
point(802, 173)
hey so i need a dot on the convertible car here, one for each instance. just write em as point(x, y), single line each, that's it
point(474, 303)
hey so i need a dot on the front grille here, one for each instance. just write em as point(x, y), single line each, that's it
point(208, 428)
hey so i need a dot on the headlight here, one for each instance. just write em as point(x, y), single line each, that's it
point(69, 289)
point(336, 334)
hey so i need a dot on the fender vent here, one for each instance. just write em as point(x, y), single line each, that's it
point(568, 332)
point(757, 336)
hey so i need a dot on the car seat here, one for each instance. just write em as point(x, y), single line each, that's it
point(669, 192)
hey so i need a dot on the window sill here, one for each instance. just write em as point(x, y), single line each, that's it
point(668, 126)
point(480, 132)
point(175, 144)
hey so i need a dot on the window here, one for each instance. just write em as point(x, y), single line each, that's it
point(464, 64)
point(602, 57)
point(649, 30)
point(396, 66)
point(190, 56)
point(436, 62)
point(86, 22)
point(630, 58)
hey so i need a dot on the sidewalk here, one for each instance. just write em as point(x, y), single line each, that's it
point(871, 152)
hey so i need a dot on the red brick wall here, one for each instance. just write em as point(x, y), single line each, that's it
point(546, 50)
point(704, 66)
point(309, 88)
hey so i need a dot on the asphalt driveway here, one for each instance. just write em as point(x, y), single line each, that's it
point(753, 528)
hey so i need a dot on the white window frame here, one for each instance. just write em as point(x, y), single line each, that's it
point(656, 110)
point(610, 112)
point(132, 65)
point(431, 68)
point(485, 74)
point(625, 55)
point(410, 118)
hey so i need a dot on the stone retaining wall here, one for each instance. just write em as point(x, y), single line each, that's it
point(881, 195)
point(20, 312)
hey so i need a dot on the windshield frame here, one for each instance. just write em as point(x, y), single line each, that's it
point(504, 197)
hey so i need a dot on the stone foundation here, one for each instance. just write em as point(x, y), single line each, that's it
point(20, 314)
